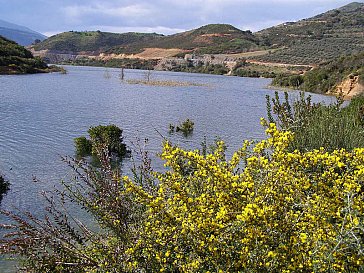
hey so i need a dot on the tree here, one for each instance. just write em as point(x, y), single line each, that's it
point(107, 137)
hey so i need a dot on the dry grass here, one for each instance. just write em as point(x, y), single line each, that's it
point(163, 83)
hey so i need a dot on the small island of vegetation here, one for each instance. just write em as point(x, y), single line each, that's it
point(103, 137)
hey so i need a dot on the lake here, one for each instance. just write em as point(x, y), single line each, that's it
point(42, 114)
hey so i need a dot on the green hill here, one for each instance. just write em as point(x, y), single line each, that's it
point(15, 59)
point(211, 39)
point(321, 38)
point(215, 38)
point(93, 42)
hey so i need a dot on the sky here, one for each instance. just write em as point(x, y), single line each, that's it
point(162, 16)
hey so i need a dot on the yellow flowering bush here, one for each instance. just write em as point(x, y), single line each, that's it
point(264, 210)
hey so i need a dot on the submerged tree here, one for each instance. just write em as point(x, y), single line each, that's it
point(109, 137)
point(4, 187)
point(186, 127)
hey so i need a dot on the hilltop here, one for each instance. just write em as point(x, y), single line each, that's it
point(92, 42)
point(15, 59)
point(20, 34)
point(209, 39)
point(214, 38)
point(318, 39)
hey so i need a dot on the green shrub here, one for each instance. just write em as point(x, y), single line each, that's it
point(186, 127)
point(317, 125)
point(103, 137)
point(83, 146)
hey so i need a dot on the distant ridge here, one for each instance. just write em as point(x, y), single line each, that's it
point(210, 39)
point(20, 34)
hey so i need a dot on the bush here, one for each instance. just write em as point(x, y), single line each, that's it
point(316, 125)
point(108, 138)
point(283, 212)
point(186, 127)
point(265, 210)
point(83, 146)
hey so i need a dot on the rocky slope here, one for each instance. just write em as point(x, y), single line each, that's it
point(348, 88)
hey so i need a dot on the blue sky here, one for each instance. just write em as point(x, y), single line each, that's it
point(162, 16)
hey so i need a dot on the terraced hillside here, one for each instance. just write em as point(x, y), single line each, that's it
point(321, 38)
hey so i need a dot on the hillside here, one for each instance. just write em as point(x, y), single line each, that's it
point(20, 34)
point(321, 38)
point(209, 39)
point(15, 59)
point(92, 42)
point(216, 38)
point(344, 75)
point(306, 43)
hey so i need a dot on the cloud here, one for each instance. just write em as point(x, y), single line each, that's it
point(77, 11)
point(144, 29)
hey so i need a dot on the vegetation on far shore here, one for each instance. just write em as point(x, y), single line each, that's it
point(127, 63)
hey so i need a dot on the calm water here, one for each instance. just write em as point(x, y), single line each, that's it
point(41, 114)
